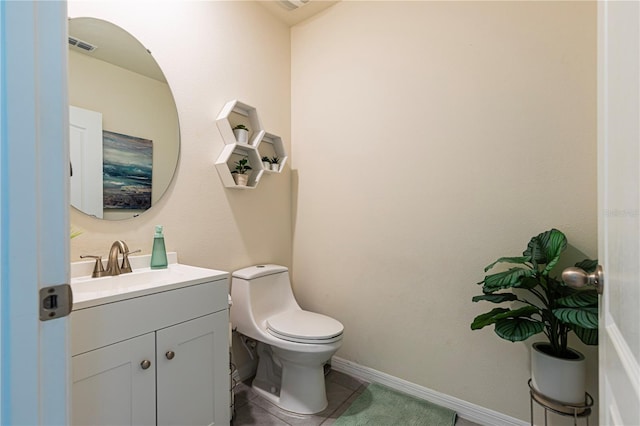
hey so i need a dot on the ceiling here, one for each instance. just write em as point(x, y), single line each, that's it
point(295, 16)
point(116, 46)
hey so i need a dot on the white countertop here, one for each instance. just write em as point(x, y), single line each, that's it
point(88, 292)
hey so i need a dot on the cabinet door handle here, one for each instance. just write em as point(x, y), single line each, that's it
point(170, 354)
point(145, 364)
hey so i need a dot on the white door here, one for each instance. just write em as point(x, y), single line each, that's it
point(619, 210)
point(85, 146)
point(34, 218)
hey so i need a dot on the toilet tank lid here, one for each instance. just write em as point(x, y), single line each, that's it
point(258, 271)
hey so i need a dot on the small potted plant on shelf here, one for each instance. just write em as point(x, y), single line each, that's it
point(275, 164)
point(266, 163)
point(240, 175)
point(241, 132)
point(541, 303)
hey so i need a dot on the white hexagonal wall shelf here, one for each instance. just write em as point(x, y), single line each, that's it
point(260, 144)
point(227, 161)
point(234, 113)
point(271, 146)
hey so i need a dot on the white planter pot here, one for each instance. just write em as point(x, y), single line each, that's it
point(275, 167)
point(563, 380)
point(241, 179)
point(266, 165)
point(242, 135)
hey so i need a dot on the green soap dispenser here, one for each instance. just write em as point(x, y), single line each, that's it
point(159, 253)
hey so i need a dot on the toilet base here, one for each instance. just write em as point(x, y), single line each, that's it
point(293, 381)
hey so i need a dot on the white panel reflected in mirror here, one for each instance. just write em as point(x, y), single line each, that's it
point(111, 73)
point(85, 145)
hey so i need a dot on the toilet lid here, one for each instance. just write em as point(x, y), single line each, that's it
point(305, 327)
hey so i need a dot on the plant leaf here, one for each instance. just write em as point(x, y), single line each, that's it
point(528, 283)
point(589, 336)
point(517, 329)
point(588, 265)
point(546, 247)
point(487, 318)
point(520, 259)
point(534, 251)
point(496, 297)
point(580, 299)
point(582, 317)
point(525, 311)
point(497, 314)
point(505, 279)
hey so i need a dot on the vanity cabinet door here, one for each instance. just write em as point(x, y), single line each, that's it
point(114, 385)
point(193, 372)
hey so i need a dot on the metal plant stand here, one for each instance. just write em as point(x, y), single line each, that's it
point(577, 411)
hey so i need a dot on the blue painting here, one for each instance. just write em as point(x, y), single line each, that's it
point(127, 167)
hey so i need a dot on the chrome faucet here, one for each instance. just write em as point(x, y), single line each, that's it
point(113, 267)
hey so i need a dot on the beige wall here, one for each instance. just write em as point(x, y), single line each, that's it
point(430, 138)
point(210, 52)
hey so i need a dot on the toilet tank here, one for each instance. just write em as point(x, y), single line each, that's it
point(259, 292)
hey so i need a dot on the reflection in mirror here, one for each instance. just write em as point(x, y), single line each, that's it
point(124, 131)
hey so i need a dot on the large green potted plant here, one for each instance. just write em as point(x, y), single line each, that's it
point(541, 303)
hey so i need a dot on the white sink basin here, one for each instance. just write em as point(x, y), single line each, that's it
point(89, 291)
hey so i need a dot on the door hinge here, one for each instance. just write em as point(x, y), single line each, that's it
point(55, 302)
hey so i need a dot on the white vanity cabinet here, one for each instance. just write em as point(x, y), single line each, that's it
point(185, 371)
point(111, 388)
point(153, 359)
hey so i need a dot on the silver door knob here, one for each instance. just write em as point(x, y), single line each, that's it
point(578, 278)
point(145, 364)
point(170, 354)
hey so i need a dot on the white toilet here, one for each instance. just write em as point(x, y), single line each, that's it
point(293, 344)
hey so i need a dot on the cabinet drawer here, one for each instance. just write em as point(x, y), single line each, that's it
point(103, 325)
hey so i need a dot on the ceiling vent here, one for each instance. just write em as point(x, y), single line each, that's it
point(83, 45)
point(293, 4)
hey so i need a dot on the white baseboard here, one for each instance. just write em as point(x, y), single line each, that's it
point(466, 410)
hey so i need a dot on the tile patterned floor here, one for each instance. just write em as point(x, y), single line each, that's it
point(342, 390)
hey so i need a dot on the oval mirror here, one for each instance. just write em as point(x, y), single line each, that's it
point(124, 130)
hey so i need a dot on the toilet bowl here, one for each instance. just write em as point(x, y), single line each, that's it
point(293, 344)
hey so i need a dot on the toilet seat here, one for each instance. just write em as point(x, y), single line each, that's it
point(305, 327)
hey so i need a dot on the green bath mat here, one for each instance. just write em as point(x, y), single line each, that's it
point(381, 406)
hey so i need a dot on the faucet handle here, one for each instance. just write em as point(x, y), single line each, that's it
point(126, 266)
point(98, 268)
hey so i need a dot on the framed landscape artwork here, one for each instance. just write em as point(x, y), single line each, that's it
point(127, 171)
